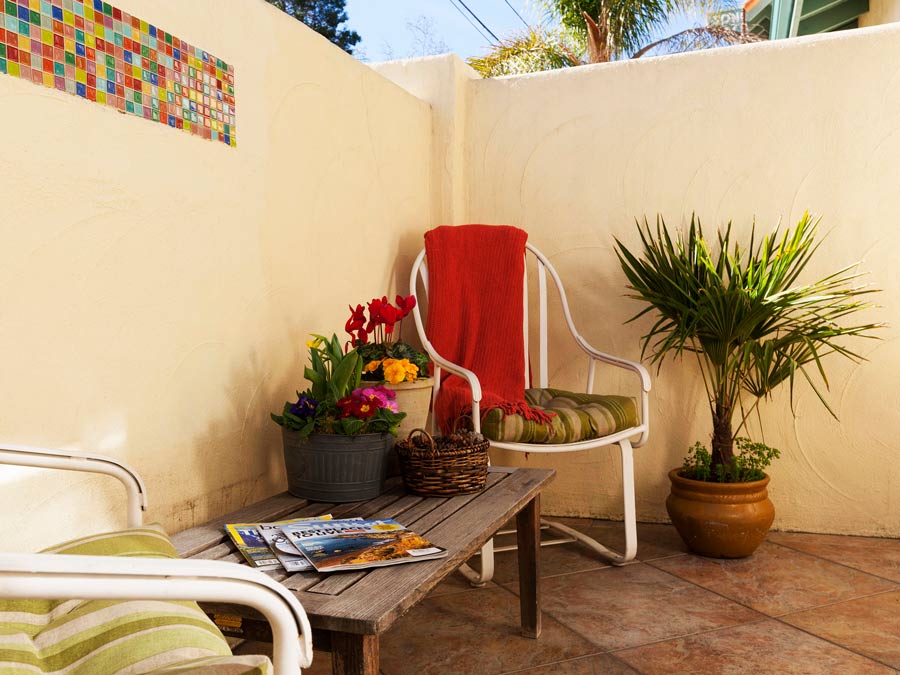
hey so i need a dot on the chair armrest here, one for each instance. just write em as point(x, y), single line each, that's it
point(470, 377)
point(54, 577)
point(74, 460)
point(616, 361)
point(596, 355)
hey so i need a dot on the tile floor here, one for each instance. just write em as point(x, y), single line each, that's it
point(803, 603)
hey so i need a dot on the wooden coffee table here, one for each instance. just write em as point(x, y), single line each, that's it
point(350, 610)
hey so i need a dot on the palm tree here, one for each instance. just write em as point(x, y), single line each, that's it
point(597, 31)
point(743, 313)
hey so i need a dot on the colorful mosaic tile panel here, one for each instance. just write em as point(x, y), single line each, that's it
point(95, 51)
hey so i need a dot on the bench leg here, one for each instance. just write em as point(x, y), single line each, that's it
point(528, 538)
point(353, 654)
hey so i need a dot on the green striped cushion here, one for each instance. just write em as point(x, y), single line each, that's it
point(100, 637)
point(578, 417)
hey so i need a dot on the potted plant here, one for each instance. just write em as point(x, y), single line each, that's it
point(338, 433)
point(376, 334)
point(741, 312)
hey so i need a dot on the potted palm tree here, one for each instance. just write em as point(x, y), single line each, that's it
point(752, 326)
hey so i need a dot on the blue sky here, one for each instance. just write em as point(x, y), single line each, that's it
point(383, 24)
point(385, 34)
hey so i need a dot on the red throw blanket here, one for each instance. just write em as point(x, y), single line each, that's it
point(475, 316)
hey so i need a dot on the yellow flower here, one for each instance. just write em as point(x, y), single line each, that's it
point(372, 366)
point(399, 370)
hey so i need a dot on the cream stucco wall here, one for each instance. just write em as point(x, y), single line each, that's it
point(158, 289)
point(445, 82)
point(880, 12)
point(764, 131)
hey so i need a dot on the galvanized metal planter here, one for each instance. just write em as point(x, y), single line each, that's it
point(334, 467)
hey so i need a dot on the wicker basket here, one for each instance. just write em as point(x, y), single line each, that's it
point(443, 466)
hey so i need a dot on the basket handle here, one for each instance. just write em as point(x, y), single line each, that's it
point(421, 432)
point(464, 420)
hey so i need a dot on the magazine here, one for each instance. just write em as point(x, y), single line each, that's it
point(286, 553)
point(351, 544)
point(253, 546)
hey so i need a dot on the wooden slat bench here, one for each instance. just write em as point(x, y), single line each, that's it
point(349, 610)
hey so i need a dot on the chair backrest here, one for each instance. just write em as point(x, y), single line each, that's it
point(73, 460)
point(536, 374)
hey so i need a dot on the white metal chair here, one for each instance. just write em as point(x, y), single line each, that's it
point(43, 576)
point(626, 439)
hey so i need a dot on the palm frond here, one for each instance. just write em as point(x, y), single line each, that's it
point(742, 310)
point(696, 38)
point(528, 52)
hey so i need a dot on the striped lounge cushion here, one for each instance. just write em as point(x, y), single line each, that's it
point(100, 637)
point(578, 417)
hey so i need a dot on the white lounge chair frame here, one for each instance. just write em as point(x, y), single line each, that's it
point(627, 439)
point(51, 576)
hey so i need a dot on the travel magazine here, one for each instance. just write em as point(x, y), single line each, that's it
point(251, 543)
point(350, 544)
point(285, 553)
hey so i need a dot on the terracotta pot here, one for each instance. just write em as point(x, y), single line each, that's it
point(413, 398)
point(720, 520)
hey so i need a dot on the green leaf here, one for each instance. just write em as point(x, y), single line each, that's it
point(740, 310)
point(345, 377)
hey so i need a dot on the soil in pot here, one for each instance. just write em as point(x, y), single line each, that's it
point(720, 520)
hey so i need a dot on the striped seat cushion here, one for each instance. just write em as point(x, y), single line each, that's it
point(100, 637)
point(577, 417)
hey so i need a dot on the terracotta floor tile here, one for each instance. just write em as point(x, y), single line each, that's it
point(474, 632)
point(625, 606)
point(600, 664)
point(776, 580)
point(874, 555)
point(654, 541)
point(457, 583)
point(869, 626)
point(765, 647)
point(555, 560)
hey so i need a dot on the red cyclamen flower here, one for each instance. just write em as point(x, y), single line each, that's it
point(375, 308)
point(389, 317)
point(405, 305)
point(355, 324)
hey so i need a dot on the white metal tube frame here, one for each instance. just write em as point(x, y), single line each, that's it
point(51, 576)
point(627, 439)
point(54, 577)
point(74, 460)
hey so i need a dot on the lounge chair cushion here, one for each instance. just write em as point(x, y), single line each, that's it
point(577, 417)
point(100, 637)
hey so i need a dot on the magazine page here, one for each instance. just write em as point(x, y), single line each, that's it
point(357, 544)
point(289, 557)
point(252, 545)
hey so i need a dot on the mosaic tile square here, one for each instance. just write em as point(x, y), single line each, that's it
point(93, 50)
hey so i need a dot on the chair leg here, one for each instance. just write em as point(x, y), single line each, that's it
point(614, 557)
point(479, 579)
